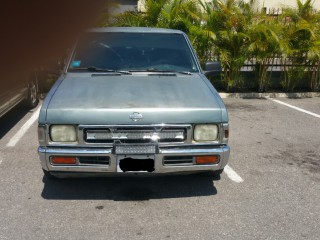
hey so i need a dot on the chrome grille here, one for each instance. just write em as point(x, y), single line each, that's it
point(134, 135)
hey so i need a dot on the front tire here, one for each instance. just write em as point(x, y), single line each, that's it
point(213, 174)
point(48, 175)
point(218, 172)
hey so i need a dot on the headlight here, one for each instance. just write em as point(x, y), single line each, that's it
point(205, 132)
point(63, 133)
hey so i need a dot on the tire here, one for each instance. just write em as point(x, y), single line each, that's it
point(33, 95)
point(218, 172)
point(213, 174)
point(48, 175)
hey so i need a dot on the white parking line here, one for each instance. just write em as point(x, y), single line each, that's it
point(296, 108)
point(16, 138)
point(232, 174)
point(0, 159)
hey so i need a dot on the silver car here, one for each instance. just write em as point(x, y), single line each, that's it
point(133, 101)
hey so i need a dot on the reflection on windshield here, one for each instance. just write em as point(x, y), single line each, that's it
point(133, 52)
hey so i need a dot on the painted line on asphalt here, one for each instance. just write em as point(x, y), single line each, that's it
point(0, 159)
point(16, 138)
point(296, 108)
point(232, 174)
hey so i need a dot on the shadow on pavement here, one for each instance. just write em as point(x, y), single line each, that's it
point(11, 118)
point(129, 188)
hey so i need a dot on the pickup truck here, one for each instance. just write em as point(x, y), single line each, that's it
point(133, 101)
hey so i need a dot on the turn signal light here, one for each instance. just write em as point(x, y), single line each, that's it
point(63, 160)
point(207, 159)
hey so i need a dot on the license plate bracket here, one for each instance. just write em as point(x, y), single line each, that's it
point(135, 163)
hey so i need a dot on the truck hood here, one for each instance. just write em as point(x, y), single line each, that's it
point(111, 99)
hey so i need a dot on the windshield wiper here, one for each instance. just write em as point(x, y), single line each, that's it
point(95, 69)
point(161, 71)
point(185, 72)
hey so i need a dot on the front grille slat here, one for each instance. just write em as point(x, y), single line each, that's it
point(134, 135)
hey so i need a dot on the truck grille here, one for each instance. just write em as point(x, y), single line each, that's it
point(134, 135)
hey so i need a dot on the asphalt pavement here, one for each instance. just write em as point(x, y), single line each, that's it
point(275, 153)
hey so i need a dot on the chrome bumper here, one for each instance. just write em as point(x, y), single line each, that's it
point(45, 154)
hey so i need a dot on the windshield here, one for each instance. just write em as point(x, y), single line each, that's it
point(133, 52)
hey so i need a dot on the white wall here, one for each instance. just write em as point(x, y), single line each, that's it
point(275, 4)
point(269, 4)
point(124, 5)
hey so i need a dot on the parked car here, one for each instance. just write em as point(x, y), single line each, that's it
point(133, 100)
point(22, 91)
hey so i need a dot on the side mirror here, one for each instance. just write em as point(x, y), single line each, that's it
point(212, 69)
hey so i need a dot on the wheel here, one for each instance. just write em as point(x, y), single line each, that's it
point(33, 96)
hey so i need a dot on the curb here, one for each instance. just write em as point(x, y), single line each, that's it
point(270, 95)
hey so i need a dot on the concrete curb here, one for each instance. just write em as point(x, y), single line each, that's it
point(270, 95)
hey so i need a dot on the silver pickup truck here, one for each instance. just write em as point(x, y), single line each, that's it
point(133, 101)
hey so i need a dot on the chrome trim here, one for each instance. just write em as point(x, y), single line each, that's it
point(82, 143)
point(194, 55)
point(133, 134)
point(178, 160)
point(188, 151)
point(45, 155)
point(222, 151)
point(77, 151)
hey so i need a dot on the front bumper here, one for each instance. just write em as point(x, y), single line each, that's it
point(45, 154)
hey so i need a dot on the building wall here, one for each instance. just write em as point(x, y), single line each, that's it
point(278, 4)
point(141, 4)
point(124, 5)
point(269, 4)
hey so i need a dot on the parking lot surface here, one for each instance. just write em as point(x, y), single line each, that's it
point(271, 189)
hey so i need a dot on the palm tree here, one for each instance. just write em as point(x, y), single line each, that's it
point(227, 22)
point(176, 14)
point(297, 38)
point(314, 60)
point(264, 47)
point(147, 18)
point(128, 19)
